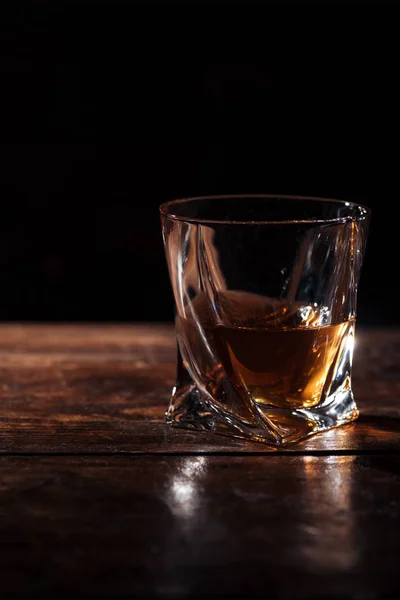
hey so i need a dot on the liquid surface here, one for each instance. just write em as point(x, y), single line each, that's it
point(281, 367)
point(280, 354)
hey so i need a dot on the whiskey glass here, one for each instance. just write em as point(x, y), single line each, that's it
point(265, 291)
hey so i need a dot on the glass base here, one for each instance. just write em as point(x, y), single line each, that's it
point(191, 409)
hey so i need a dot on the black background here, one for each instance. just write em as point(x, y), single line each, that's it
point(109, 109)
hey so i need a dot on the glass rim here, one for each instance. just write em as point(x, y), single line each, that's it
point(365, 211)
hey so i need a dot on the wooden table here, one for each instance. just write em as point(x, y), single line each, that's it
point(100, 497)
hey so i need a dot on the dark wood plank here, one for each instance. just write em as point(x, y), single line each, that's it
point(104, 389)
point(185, 526)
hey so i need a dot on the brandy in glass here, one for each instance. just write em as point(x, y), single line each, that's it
point(265, 292)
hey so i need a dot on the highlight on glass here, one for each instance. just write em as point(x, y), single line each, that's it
point(265, 291)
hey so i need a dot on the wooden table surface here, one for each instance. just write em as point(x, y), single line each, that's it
point(98, 497)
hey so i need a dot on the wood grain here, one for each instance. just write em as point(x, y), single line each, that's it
point(99, 498)
point(207, 526)
point(104, 389)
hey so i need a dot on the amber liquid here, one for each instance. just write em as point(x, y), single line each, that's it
point(284, 367)
point(276, 352)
